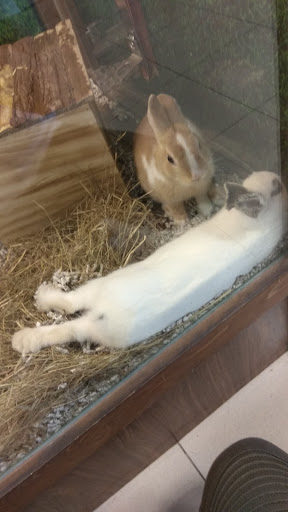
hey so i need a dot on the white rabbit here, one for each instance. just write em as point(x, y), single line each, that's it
point(133, 303)
point(172, 158)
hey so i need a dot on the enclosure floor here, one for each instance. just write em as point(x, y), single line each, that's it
point(175, 481)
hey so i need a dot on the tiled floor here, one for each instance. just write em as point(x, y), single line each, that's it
point(175, 481)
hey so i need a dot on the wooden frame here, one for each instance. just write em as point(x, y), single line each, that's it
point(89, 437)
point(135, 13)
point(52, 11)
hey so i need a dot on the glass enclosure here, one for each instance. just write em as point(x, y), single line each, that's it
point(132, 132)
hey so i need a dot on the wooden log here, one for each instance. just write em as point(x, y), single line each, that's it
point(48, 74)
point(52, 12)
point(6, 97)
point(44, 168)
point(50, 141)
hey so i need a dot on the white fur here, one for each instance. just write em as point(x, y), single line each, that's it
point(204, 205)
point(135, 302)
point(190, 157)
point(153, 174)
point(193, 127)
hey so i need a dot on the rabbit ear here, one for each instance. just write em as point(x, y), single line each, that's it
point(276, 187)
point(172, 108)
point(157, 116)
point(239, 197)
point(233, 192)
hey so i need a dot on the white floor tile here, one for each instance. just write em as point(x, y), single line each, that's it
point(170, 484)
point(260, 409)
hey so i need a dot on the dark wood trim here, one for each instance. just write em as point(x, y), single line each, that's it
point(282, 49)
point(47, 12)
point(176, 413)
point(51, 12)
point(137, 19)
point(100, 423)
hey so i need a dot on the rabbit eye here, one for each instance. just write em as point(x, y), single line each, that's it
point(170, 159)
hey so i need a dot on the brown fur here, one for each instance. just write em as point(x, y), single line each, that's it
point(156, 138)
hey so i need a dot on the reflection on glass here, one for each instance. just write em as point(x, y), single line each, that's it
point(177, 102)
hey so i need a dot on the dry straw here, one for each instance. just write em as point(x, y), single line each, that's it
point(106, 231)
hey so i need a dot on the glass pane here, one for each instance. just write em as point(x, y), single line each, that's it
point(142, 137)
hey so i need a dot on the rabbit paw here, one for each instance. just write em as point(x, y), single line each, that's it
point(27, 341)
point(176, 213)
point(48, 297)
point(181, 221)
point(205, 207)
point(217, 194)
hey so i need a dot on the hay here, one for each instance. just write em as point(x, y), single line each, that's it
point(103, 233)
point(106, 231)
point(40, 394)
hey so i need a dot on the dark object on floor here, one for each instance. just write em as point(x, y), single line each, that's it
point(250, 475)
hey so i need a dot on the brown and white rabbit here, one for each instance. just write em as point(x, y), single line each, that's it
point(173, 160)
